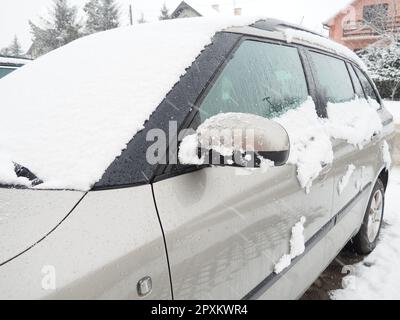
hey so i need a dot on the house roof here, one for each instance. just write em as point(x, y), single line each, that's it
point(200, 8)
point(329, 21)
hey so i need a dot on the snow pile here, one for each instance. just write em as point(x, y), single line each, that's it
point(378, 276)
point(386, 156)
point(310, 145)
point(315, 40)
point(188, 151)
point(354, 121)
point(344, 181)
point(394, 108)
point(67, 115)
point(297, 246)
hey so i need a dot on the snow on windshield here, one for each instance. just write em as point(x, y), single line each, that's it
point(67, 115)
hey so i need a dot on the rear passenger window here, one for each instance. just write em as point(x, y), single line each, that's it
point(357, 84)
point(333, 79)
point(369, 90)
point(262, 78)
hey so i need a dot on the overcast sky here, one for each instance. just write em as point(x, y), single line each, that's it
point(14, 14)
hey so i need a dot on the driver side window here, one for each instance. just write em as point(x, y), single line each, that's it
point(261, 78)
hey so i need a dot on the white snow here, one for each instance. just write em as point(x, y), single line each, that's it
point(378, 276)
point(283, 263)
point(188, 151)
point(8, 60)
point(315, 40)
point(310, 136)
point(227, 133)
point(354, 121)
point(394, 108)
point(67, 115)
point(310, 146)
point(386, 156)
point(344, 181)
point(297, 246)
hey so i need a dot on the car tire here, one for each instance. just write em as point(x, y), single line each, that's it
point(366, 239)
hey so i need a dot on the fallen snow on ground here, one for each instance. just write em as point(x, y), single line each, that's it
point(394, 108)
point(67, 115)
point(346, 178)
point(378, 276)
point(297, 246)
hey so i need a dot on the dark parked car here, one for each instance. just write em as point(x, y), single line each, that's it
point(9, 64)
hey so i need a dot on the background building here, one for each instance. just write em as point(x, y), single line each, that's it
point(188, 9)
point(364, 22)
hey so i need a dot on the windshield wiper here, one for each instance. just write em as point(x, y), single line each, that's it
point(23, 172)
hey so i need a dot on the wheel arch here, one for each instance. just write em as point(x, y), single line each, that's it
point(384, 177)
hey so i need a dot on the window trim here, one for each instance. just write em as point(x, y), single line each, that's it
point(309, 81)
point(168, 171)
point(328, 54)
point(215, 78)
point(372, 84)
point(350, 67)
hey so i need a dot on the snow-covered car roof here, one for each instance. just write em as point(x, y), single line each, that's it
point(6, 61)
point(69, 114)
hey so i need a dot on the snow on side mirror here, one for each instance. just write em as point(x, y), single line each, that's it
point(236, 139)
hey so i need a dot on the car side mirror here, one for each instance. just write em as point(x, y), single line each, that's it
point(236, 139)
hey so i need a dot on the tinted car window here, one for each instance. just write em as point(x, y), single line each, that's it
point(333, 79)
point(5, 71)
point(369, 90)
point(357, 84)
point(262, 78)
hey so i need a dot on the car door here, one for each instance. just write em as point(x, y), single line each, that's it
point(340, 90)
point(226, 228)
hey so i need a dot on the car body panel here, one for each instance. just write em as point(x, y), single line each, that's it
point(108, 243)
point(26, 216)
point(226, 228)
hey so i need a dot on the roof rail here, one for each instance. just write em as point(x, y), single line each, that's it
point(274, 25)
